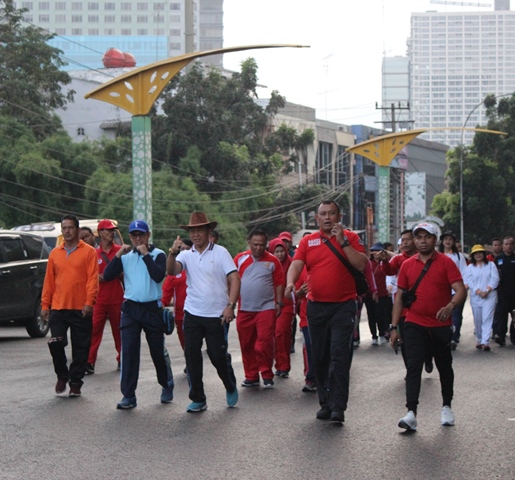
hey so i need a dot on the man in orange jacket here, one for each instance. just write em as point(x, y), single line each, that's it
point(69, 293)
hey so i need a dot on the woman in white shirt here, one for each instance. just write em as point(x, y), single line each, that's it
point(481, 279)
point(448, 246)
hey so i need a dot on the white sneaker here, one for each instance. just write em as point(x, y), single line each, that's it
point(409, 421)
point(374, 341)
point(382, 341)
point(447, 417)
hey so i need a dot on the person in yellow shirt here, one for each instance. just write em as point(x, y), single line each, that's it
point(69, 293)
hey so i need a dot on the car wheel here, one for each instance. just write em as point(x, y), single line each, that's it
point(36, 326)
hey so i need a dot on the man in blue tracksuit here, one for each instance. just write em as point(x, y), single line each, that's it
point(144, 269)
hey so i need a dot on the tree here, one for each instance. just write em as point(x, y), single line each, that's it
point(31, 81)
point(488, 176)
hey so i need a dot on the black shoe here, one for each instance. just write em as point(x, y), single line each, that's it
point(429, 365)
point(500, 340)
point(324, 413)
point(90, 369)
point(337, 415)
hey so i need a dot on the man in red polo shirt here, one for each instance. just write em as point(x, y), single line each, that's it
point(331, 306)
point(428, 324)
point(260, 303)
point(110, 296)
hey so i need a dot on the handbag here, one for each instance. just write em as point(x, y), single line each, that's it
point(359, 277)
point(168, 321)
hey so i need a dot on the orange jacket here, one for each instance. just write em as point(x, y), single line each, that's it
point(71, 280)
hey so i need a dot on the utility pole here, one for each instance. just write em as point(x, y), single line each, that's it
point(392, 109)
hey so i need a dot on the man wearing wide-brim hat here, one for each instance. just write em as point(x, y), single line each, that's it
point(213, 290)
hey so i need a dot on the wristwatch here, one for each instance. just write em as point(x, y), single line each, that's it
point(281, 304)
point(173, 253)
point(232, 305)
point(345, 242)
point(392, 327)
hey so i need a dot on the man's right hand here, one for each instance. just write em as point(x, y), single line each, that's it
point(123, 250)
point(44, 315)
point(289, 288)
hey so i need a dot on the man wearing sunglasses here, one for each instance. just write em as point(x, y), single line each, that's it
point(144, 269)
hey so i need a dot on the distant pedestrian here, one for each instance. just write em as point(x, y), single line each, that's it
point(287, 239)
point(87, 236)
point(143, 267)
point(496, 249)
point(69, 293)
point(481, 279)
point(506, 290)
point(213, 290)
point(110, 296)
point(427, 280)
point(260, 304)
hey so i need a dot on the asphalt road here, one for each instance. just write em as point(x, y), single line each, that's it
point(272, 434)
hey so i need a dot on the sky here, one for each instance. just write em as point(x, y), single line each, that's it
point(340, 74)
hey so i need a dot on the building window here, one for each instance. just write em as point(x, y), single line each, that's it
point(142, 19)
point(26, 5)
point(44, 6)
point(60, 31)
point(60, 5)
point(159, 6)
point(28, 17)
point(126, 19)
point(80, 131)
point(126, 6)
point(175, 6)
point(76, 31)
point(142, 31)
point(109, 19)
point(60, 18)
point(93, 31)
point(93, 6)
point(77, 6)
point(159, 31)
point(76, 18)
point(142, 6)
point(44, 18)
point(175, 46)
point(93, 18)
point(109, 6)
point(126, 31)
point(175, 32)
point(108, 31)
point(175, 18)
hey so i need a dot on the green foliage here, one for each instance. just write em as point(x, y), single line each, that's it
point(30, 77)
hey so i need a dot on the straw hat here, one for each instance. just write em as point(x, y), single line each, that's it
point(477, 248)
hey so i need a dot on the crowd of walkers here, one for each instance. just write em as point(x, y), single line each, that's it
point(414, 302)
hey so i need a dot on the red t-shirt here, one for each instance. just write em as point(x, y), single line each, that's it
point(392, 267)
point(109, 293)
point(433, 292)
point(174, 287)
point(328, 279)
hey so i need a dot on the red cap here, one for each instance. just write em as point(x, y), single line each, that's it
point(106, 225)
point(285, 236)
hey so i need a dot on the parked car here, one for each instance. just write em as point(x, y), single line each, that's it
point(51, 231)
point(23, 264)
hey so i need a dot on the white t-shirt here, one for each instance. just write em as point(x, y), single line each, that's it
point(206, 279)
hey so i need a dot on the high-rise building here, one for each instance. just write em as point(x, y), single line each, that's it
point(396, 113)
point(151, 30)
point(456, 59)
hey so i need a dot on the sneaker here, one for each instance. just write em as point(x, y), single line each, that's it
point(126, 403)
point(195, 407)
point(409, 421)
point(250, 383)
point(382, 341)
point(268, 383)
point(428, 365)
point(375, 341)
point(60, 386)
point(479, 346)
point(337, 415)
point(282, 373)
point(167, 395)
point(74, 391)
point(454, 345)
point(355, 343)
point(90, 369)
point(232, 398)
point(309, 387)
point(447, 417)
point(324, 413)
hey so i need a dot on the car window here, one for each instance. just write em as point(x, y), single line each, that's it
point(50, 241)
point(34, 246)
point(14, 249)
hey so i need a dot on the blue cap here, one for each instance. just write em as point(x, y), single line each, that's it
point(138, 226)
point(377, 247)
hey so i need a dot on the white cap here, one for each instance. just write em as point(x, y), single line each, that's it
point(428, 227)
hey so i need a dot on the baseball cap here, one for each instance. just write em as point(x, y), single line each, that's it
point(138, 226)
point(425, 226)
point(106, 225)
point(285, 236)
point(377, 247)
